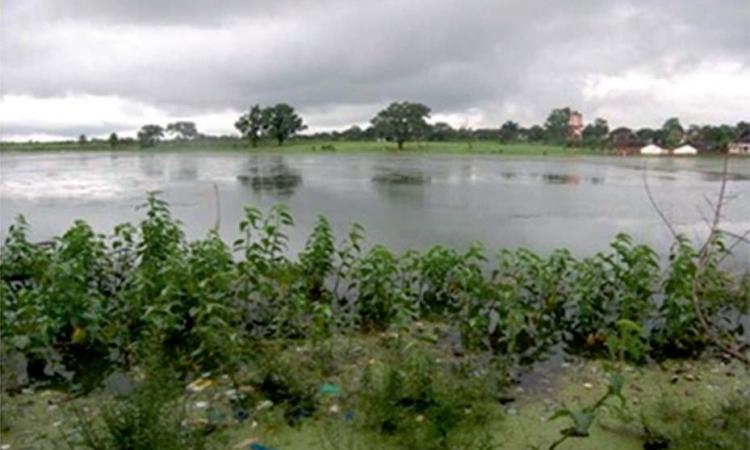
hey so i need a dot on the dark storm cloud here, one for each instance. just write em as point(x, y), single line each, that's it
point(337, 60)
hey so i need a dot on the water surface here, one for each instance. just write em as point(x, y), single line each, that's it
point(404, 201)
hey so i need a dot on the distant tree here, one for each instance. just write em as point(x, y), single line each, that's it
point(648, 136)
point(402, 121)
point(82, 139)
point(535, 134)
point(623, 137)
point(441, 132)
point(715, 138)
point(183, 130)
point(596, 134)
point(556, 126)
point(353, 133)
point(509, 131)
point(674, 134)
point(742, 131)
point(150, 135)
point(281, 122)
point(250, 125)
point(486, 134)
point(113, 140)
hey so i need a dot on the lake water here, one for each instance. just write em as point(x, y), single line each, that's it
point(404, 201)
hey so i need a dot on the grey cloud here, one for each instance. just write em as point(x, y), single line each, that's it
point(191, 57)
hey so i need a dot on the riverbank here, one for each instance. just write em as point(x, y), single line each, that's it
point(682, 403)
point(304, 146)
point(145, 339)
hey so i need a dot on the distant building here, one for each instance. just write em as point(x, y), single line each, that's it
point(685, 150)
point(575, 126)
point(652, 149)
point(739, 148)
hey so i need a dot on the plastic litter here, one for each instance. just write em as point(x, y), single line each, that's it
point(199, 385)
point(256, 446)
point(330, 389)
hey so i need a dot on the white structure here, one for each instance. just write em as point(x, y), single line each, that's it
point(652, 149)
point(739, 148)
point(685, 150)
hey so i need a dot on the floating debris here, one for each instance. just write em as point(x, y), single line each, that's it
point(199, 385)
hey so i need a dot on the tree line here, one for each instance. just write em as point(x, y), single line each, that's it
point(401, 122)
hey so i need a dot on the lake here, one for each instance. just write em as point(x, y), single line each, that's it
point(404, 201)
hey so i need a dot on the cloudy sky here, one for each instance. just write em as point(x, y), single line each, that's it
point(95, 66)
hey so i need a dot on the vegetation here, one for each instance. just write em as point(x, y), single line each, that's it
point(250, 125)
point(401, 122)
point(150, 135)
point(278, 122)
point(405, 121)
point(183, 130)
point(451, 327)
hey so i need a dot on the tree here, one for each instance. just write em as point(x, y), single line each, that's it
point(402, 121)
point(82, 139)
point(742, 130)
point(113, 140)
point(649, 136)
point(281, 122)
point(353, 133)
point(509, 131)
point(596, 134)
point(623, 137)
point(183, 130)
point(674, 134)
point(150, 135)
point(556, 126)
point(442, 131)
point(535, 134)
point(250, 124)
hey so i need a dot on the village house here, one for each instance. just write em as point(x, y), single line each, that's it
point(739, 148)
point(684, 150)
point(652, 149)
point(575, 126)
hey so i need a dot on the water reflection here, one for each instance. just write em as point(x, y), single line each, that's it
point(391, 176)
point(569, 179)
point(151, 167)
point(274, 176)
point(187, 170)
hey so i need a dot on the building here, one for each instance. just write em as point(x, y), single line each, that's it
point(685, 150)
point(652, 149)
point(575, 126)
point(739, 148)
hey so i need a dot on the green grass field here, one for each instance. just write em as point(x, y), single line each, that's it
point(309, 146)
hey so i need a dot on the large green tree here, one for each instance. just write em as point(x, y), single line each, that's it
point(183, 129)
point(402, 121)
point(281, 122)
point(250, 125)
point(556, 126)
point(150, 135)
point(113, 139)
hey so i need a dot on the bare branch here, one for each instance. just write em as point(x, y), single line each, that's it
point(656, 206)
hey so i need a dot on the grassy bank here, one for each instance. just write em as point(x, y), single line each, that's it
point(146, 340)
point(304, 146)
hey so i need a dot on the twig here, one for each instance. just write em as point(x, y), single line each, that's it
point(703, 256)
point(656, 206)
point(217, 223)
